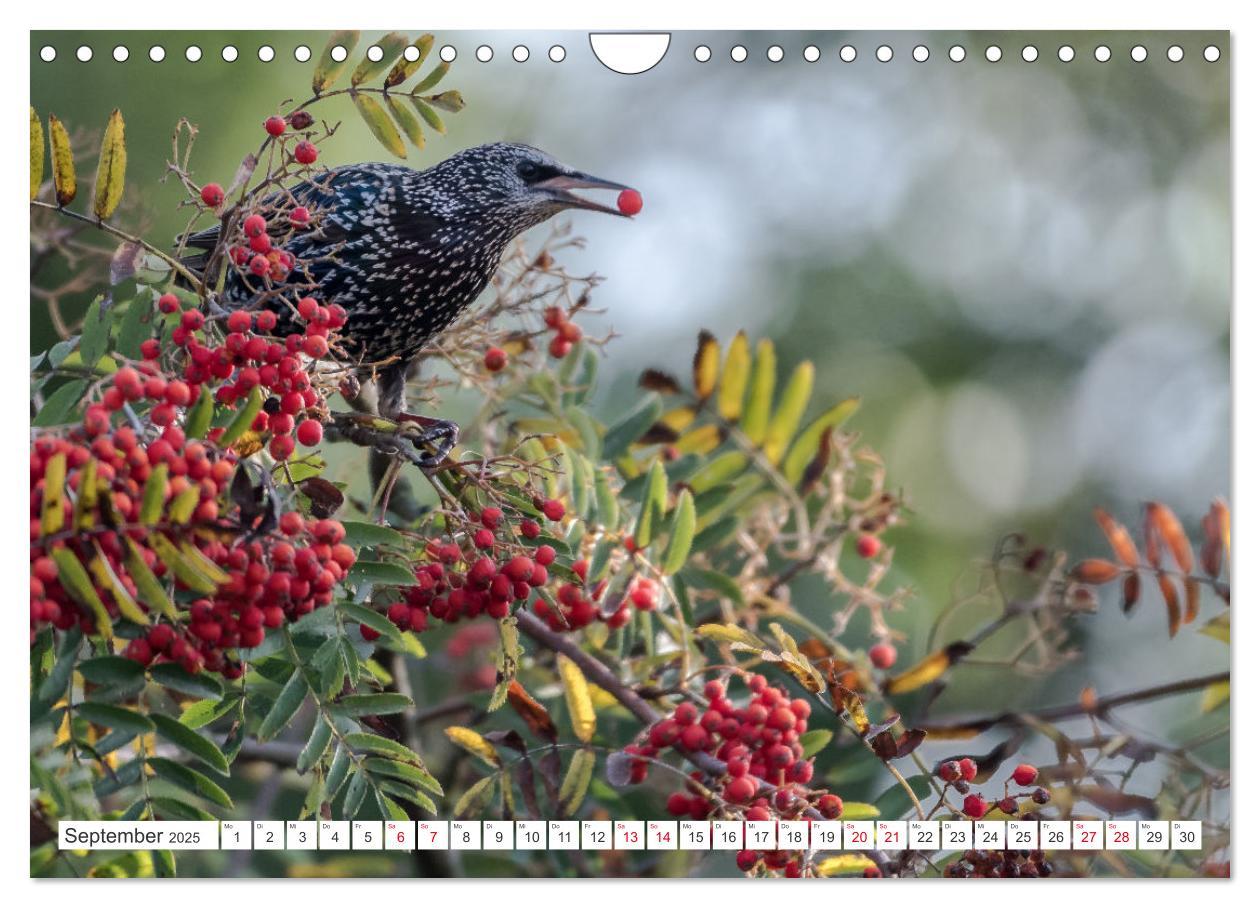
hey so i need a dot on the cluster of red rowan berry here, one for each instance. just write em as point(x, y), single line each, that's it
point(108, 471)
point(766, 776)
point(960, 773)
point(566, 333)
point(1000, 864)
point(249, 357)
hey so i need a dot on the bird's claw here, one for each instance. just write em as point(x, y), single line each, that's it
point(422, 441)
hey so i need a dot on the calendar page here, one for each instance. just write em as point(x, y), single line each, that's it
point(657, 454)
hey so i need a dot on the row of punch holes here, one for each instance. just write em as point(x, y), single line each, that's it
point(884, 53)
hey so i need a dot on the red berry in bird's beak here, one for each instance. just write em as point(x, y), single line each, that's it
point(629, 202)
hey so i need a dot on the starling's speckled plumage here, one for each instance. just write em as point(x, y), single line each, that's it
point(404, 252)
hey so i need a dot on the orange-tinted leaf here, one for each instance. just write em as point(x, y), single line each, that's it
point(1132, 590)
point(1118, 537)
point(1215, 538)
point(1095, 571)
point(1169, 591)
point(656, 380)
point(704, 365)
point(1192, 600)
point(1164, 530)
point(533, 712)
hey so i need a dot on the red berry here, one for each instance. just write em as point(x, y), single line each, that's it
point(368, 633)
point(240, 321)
point(255, 225)
point(495, 359)
point(310, 432)
point(258, 265)
point(629, 202)
point(559, 347)
point(740, 790)
point(830, 806)
point(274, 126)
point(490, 517)
point(150, 349)
point(868, 546)
point(281, 447)
point(530, 529)
point(745, 860)
point(949, 771)
point(305, 152)
point(882, 655)
point(1008, 805)
point(168, 303)
point(553, 509)
point(544, 555)
point(212, 195)
point(975, 806)
point(483, 538)
point(678, 804)
point(300, 119)
point(968, 768)
point(308, 307)
point(1024, 774)
point(300, 216)
point(554, 317)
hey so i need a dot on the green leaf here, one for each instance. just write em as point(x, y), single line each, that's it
point(757, 411)
point(370, 704)
point(243, 419)
point(606, 508)
point(154, 495)
point(812, 742)
point(787, 417)
point(53, 687)
point(114, 717)
point(110, 670)
point(363, 740)
point(378, 122)
point(199, 417)
point(171, 808)
point(392, 46)
point(806, 445)
point(136, 326)
point(337, 771)
point(360, 534)
point(390, 808)
point(374, 620)
point(60, 405)
point(433, 78)
point(169, 674)
point(148, 587)
point(286, 706)
point(316, 745)
point(382, 573)
point(185, 738)
point(190, 780)
point(399, 790)
point(449, 101)
point(328, 70)
point(74, 578)
point(681, 533)
point(406, 121)
point(475, 799)
point(94, 341)
point(408, 771)
point(429, 115)
point(203, 712)
point(630, 428)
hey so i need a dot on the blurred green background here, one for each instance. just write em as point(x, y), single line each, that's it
point(1022, 268)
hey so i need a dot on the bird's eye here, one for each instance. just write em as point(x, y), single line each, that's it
point(529, 171)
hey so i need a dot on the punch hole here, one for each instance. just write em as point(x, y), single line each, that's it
point(1175, 53)
point(739, 53)
point(1138, 53)
point(631, 53)
point(883, 53)
point(958, 53)
point(374, 53)
point(1211, 53)
point(266, 53)
point(993, 53)
point(484, 53)
point(811, 54)
point(1029, 53)
point(520, 53)
point(121, 53)
point(556, 53)
point(48, 53)
point(192, 53)
point(157, 53)
point(83, 54)
point(848, 53)
point(774, 53)
point(302, 53)
point(703, 54)
point(411, 53)
point(338, 53)
point(920, 53)
point(1102, 53)
point(447, 53)
point(1066, 53)
point(229, 54)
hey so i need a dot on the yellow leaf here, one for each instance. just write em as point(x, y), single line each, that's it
point(923, 673)
point(792, 406)
point(407, 121)
point(679, 418)
point(391, 47)
point(52, 515)
point(757, 412)
point(730, 633)
point(37, 153)
point(449, 101)
point(429, 115)
point(328, 70)
point(62, 162)
point(378, 122)
point(404, 68)
point(475, 799)
point(111, 171)
point(576, 781)
point(474, 743)
point(844, 865)
point(856, 810)
point(1214, 695)
point(107, 579)
point(577, 698)
point(734, 382)
point(806, 445)
point(1217, 628)
point(704, 365)
point(74, 579)
point(700, 441)
point(248, 444)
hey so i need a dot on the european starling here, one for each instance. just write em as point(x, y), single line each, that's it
point(404, 252)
